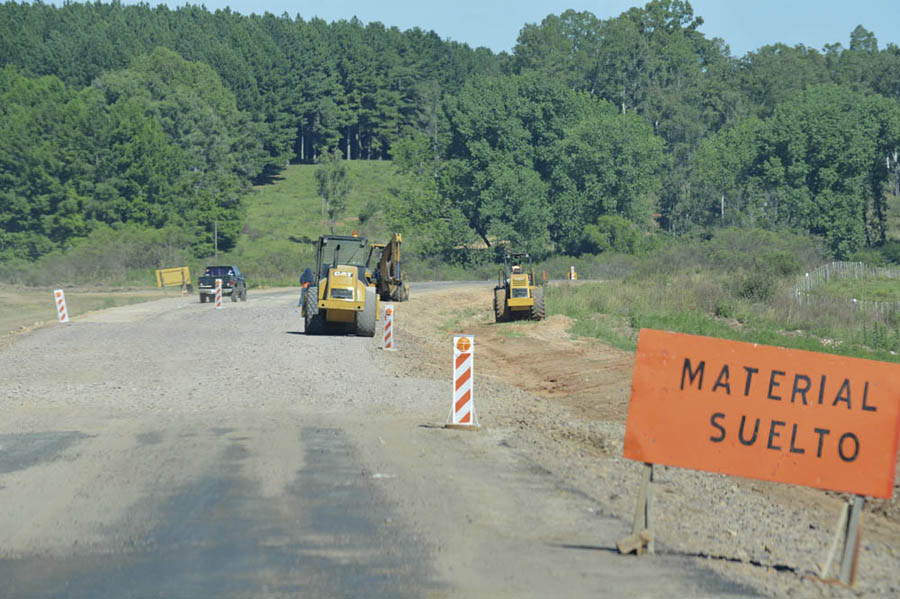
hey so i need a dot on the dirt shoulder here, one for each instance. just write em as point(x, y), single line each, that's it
point(24, 309)
point(561, 401)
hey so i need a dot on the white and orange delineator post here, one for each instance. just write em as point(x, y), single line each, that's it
point(219, 294)
point(388, 339)
point(462, 410)
point(61, 311)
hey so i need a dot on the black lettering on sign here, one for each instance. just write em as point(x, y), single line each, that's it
point(722, 381)
point(773, 383)
point(822, 389)
point(800, 390)
point(712, 421)
point(867, 407)
point(794, 448)
point(843, 394)
point(750, 372)
point(773, 434)
point(692, 374)
point(752, 440)
point(822, 432)
point(845, 456)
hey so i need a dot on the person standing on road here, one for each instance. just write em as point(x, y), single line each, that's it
point(306, 279)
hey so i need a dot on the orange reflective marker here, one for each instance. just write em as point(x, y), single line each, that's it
point(764, 412)
point(463, 344)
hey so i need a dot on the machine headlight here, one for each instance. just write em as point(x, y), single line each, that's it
point(520, 292)
point(342, 294)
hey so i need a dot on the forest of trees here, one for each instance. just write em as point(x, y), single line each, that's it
point(588, 136)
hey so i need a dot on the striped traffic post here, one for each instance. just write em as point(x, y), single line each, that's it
point(219, 294)
point(61, 311)
point(388, 341)
point(462, 410)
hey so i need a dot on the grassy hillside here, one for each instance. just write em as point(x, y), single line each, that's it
point(285, 216)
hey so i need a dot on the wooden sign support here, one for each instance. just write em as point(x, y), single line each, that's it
point(848, 528)
point(641, 539)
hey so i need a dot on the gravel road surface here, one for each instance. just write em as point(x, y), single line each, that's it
point(170, 449)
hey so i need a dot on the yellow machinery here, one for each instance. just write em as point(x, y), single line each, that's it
point(341, 299)
point(384, 263)
point(180, 276)
point(516, 296)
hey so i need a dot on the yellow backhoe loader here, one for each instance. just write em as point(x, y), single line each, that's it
point(384, 263)
point(516, 296)
point(342, 298)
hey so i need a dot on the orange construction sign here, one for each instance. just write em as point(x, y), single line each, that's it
point(764, 412)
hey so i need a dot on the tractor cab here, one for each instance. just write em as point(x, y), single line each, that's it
point(341, 298)
point(516, 295)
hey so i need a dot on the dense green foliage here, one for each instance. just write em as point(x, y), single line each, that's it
point(735, 285)
point(116, 114)
point(593, 135)
point(159, 144)
point(332, 185)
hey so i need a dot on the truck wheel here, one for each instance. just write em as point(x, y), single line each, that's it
point(365, 320)
point(244, 295)
point(234, 294)
point(501, 310)
point(313, 321)
point(202, 298)
point(537, 310)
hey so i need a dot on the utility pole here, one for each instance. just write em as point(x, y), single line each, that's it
point(216, 238)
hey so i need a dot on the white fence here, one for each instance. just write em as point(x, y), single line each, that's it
point(845, 270)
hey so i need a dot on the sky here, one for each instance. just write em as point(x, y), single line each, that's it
point(744, 24)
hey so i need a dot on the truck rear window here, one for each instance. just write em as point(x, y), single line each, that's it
point(218, 271)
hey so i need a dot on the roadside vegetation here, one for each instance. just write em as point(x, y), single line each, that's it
point(737, 285)
point(24, 308)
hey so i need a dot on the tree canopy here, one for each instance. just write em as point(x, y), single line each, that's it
point(592, 131)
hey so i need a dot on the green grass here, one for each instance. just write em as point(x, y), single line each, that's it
point(24, 307)
point(736, 286)
point(615, 313)
point(893, 217)
point(458, 317)
point(512, 330)
point(868, 289)
point(285, 217)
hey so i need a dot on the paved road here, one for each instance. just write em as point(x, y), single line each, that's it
point(173, 450)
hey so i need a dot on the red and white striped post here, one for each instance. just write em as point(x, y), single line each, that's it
point(219, 294)
point(388, 340)
point(462, 410)
point(61, 311)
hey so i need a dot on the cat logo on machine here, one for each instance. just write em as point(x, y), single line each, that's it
point(343, 273)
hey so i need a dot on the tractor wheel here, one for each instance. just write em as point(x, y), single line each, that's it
point(501, 310)
point(537, 310)
point(365, 320)
point(314, 321)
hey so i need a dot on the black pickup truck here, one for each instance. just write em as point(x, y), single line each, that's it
point(233, 283)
